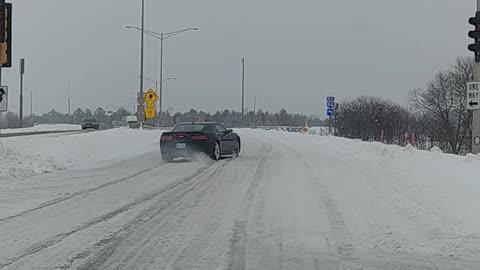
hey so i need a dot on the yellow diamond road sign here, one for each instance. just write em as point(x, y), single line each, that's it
point(150, 112)
point(150, 97)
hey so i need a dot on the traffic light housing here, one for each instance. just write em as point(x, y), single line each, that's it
point(2, 20)
point(475, 34)
point(6, 45)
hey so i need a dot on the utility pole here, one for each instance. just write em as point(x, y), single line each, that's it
point(476, 77)
point(22, 71)
point(243, 87)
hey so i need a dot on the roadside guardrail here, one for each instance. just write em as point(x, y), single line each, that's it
point(31, 133)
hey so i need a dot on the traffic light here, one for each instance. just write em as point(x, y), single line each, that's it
point(475, 34)
point(6, 45)
point(2, 20)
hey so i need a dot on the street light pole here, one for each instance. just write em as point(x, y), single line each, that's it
point(140, 109)
point(161, 37)
point(243, 86)
point(161, 95)
point(22, 71)
point(161, 79)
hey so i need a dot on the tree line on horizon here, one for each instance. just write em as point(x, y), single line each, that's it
point(230, 118)
point(435, 116)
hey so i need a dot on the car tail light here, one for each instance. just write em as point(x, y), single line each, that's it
point(181, 135)
point(166, 138)
point(200, 137)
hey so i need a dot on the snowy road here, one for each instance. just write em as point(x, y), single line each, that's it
point(290, 201)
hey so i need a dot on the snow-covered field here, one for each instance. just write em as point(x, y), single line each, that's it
point(22, 157)
point(290, 201)
point(42, 127)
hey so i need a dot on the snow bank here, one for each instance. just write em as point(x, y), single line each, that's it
point(394, 200)
point(22, 157)
point(43, 127)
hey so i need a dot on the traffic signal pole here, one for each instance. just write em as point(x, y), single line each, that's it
point(1, 64)
point(476, 77)
point(476, 113)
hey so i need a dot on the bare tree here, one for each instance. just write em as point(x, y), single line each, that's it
point(442, 104)
point(365, 117)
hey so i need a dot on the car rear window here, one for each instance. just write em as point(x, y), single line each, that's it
point(191, 128)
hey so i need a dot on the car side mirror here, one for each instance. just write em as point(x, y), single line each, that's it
point(229, 131)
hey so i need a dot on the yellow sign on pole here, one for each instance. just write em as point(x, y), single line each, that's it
point(150, 96)
point(149, 112)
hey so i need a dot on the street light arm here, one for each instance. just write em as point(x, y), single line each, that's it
point(165, 35)
point(150, 33)
point(148, 79)
point(171, 34)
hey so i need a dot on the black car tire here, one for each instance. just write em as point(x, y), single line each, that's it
point(215, 155)
point(239, 146)
point(167, 158)
point(236, 150)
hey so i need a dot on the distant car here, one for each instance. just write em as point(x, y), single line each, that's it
point(131, 121)
point(90, 123)
point(210, 138)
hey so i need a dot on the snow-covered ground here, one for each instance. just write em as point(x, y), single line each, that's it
point(22, 157)
point(290, 201)
point(43, 127)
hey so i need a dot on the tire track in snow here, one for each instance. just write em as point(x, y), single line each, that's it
point(237, 246)
point(78, 193)
point(346, 251)
point(237, 258)
point(38, 247)
point(172, 204)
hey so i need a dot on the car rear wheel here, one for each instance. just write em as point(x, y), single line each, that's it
point(235, 153)
point(215, 155)
point(236, 150)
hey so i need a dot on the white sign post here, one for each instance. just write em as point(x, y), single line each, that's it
point(473, 96)
point(3, 98)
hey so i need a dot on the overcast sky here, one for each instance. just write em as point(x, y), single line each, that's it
point(297, 52)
